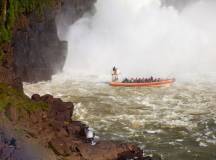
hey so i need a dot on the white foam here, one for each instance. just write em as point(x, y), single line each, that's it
point(202, 144)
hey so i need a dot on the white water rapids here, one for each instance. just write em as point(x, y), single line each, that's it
point(142, 39)
point(176, 122)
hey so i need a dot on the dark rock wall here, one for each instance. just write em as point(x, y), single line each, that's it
point(7, 73)
point(70, 12)
point(179, 4)
point(38, 52)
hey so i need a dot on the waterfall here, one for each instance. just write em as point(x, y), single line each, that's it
point(142, 38)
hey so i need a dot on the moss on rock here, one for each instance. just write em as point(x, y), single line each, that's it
point(12, 97)
point(10, 11)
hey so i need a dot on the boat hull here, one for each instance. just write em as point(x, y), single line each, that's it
point(162, 83)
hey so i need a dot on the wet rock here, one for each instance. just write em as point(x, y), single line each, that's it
point(11, 113)
point(74, 156)
point(60, 111)
point(7, 71)
point(103, 150)
point(38, 52)
point(180, 5)
point(47, 98)
point(59, 147)
point(70, 12)
point(75, 129)
point(36, 97)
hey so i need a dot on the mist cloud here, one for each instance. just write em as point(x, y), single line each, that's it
point(142, 38)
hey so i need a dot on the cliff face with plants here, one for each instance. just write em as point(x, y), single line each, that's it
point(29, 45)
point(10, 22)
point(38, 53)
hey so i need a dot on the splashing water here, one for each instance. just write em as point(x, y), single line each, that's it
point(142, 39)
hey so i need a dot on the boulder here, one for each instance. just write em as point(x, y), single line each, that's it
point(59, 147)
point(36, 97)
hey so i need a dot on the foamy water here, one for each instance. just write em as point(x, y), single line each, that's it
point(143, 39)
point(177, 122)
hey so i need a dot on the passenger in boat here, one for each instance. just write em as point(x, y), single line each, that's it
point(125, 80)
point(140, 80)
point(151, 79)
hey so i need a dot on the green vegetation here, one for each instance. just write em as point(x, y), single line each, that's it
point(11, 97)
point(10, 10)
point(1, 56)
point(5, 34)
point(33, 5)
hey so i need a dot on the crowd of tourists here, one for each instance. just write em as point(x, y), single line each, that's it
point(141, 80)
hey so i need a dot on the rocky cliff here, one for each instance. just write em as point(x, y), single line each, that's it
point(178, 4)
point(29, 40)
point(38, 52)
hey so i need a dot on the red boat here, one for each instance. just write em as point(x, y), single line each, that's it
point(161, 83)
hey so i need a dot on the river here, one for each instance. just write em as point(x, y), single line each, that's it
point(178, 122)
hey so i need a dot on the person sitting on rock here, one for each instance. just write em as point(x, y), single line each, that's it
point(90, 135)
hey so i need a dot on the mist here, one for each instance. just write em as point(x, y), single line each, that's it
point(143, 38)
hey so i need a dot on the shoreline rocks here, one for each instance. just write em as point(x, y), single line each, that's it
point(53, 128)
